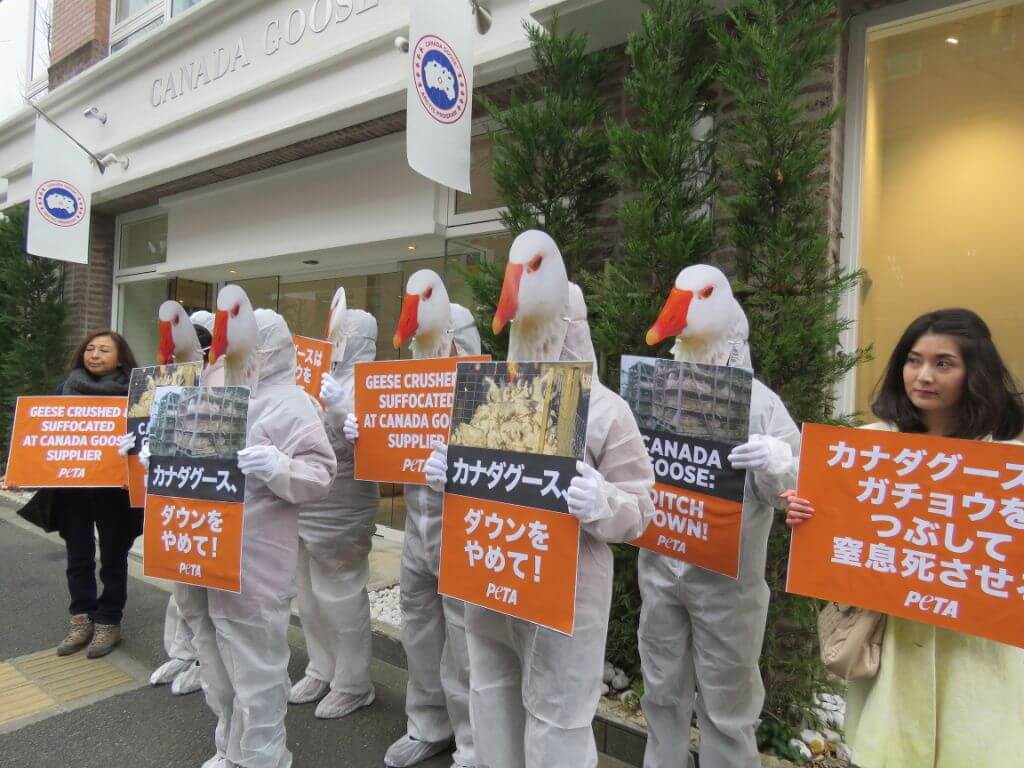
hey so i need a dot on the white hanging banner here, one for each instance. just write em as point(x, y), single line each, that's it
point(439, 101)
point(58, 212)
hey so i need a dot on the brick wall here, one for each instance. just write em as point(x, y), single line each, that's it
point(88, 287)
point(79, 37)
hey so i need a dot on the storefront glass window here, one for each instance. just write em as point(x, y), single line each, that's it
point(940, 222)
point(481, 178)
point(263, 292)
point(137, 306)
point(305, 306)
point(143, 243)
point(42, 26)
point(180, 6)
point(125, 9)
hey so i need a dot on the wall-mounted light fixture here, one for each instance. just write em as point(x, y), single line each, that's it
point(110, 159)
point(96, 114)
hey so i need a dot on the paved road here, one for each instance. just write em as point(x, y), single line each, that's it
point(149, 727)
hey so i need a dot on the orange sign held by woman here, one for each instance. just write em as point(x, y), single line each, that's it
point(926, 528)
point(68, 442)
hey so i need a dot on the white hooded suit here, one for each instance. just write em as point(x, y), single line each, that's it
point(242, 638)
point(433, 627)
point(701, 631)
point(334, 541)
point(534, 691)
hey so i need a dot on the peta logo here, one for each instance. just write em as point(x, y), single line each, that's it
point(440, 79)
point(60, 203)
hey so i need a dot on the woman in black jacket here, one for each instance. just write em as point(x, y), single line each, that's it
point(101, 366)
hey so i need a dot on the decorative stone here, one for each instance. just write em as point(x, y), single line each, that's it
point(803, 749)
point(609, 673)
point(814, 740)
point(620, 681)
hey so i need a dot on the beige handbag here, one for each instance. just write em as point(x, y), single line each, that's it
point(851, 640)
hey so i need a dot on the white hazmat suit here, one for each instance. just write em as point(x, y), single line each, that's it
point(701, 631)
point(534, 692)
point(335, 536)
point(242, 639)
point(182, 670)
point(433, 627)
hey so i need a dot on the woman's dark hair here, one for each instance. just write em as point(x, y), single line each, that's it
point(125, 358)
point(991, 403)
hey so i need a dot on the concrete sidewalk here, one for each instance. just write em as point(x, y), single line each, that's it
point(128, 723)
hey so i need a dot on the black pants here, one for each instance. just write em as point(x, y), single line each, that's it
point(116, 534)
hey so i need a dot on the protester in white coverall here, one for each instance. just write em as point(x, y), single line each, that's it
point(334, 549)
point(701, 632)
point(433, 627)
point(534, 692)
point(178, 635)
point(288, 461)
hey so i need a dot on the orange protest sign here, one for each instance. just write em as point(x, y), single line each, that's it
point(508, 542)
point(193, 541)
point(312, 361)
point(516, 560)
point(67, 442)
point(928, 529)
point(195, 491)
point(690, 416)
point(695, 527)
point(402, 406)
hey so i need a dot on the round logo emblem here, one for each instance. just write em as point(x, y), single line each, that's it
point(440, 79)
point(60, 203)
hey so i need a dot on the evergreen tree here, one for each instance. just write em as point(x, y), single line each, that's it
point(774, 154)
point(33, 320)
point(668, 170)
point(658, 156)
point(550, 154)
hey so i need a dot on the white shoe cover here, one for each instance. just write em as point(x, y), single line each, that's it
point(217, 761)
point(337, 704)
point(307, 690)
point(188, 681)
point(408, 751)
point(167, 671)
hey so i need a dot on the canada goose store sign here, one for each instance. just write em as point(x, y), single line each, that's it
point(58, 214)
point(290, 29)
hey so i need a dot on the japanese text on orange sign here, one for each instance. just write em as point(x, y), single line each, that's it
point(403, 407)
point(67, 442)
point(515, 560)
point(930, 529)
point(194, 541)
point(312, 361)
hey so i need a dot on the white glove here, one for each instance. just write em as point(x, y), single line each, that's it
point(144, 454)
point(351, 428)
point(125, 444)
point(436, 467)
point(754, 454)
point(330, 391)
point(260, 461)
point(584, 496)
